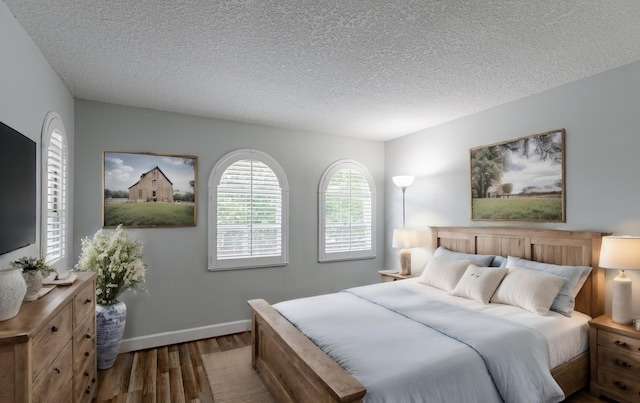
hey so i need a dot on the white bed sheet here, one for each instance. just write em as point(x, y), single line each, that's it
point(567, 337)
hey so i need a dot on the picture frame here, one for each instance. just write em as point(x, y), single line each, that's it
point(147, 190)
point(519, 180)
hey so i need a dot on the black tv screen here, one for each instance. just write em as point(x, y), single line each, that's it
point(18, 190)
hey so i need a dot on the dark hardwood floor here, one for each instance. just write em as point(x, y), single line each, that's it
point(175, 373)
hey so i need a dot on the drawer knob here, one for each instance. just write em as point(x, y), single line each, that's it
point(87, 336)
point(620, 343)
point(87, 301)
point(86, 354)
point(57, 371)
point(622, 364)
point(620, 385)
point(54, 329)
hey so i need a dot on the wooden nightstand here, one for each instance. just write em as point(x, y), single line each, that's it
point(393, 275)
point(615, 360)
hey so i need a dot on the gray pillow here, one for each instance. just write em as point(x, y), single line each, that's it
point(478, 260)
point(565, 301)
point(499, 261)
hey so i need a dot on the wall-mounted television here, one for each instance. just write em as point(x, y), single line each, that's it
point(18, 181)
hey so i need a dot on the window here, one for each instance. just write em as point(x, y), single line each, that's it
point(346, 200)
point(248, 212)
point(54, 190)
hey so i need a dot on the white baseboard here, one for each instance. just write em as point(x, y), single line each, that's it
point(182, 336)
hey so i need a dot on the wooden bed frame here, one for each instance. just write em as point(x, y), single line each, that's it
point(296, 370)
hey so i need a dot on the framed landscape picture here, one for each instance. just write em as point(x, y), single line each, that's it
point(149, 190)
point(519, 180)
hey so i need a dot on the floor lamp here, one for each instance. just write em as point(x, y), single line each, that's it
point(622, 253)
point(404, 238)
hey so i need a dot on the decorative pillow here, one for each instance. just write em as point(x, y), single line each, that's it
point(565, 301)
point(479, 283)
point(443, 273)
point(480, 260)
point(499, 261)
point(532, 290)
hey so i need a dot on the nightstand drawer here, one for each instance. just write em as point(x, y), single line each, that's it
point(618, 342)
point(619, 362)
point(620, 386)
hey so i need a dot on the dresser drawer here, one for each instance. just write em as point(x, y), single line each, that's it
point(618, 342)
point(51, 339)
point(84, 342)
point(619, 361)
point(53, 383)
point(84, 304)
point(86, 380)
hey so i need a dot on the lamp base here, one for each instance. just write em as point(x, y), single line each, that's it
point(621, 300)
point(405, 262)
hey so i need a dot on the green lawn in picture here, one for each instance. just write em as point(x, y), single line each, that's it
point(524, 208)
point(147, 214)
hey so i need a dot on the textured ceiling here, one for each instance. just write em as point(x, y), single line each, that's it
point(375, 69)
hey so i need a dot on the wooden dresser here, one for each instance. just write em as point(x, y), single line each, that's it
point(615, 360)
point(47, 352)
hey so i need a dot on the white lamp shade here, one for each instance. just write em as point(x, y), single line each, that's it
point(403, 180)
point(620, 252)
point(406, 238)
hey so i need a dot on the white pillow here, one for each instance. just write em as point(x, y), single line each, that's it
point(443, 273)
point(479, 283)
point(532, 290)
point(565, 301)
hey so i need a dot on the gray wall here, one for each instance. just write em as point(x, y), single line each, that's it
point(602, 122)
point(182, 293)
point(29, 89)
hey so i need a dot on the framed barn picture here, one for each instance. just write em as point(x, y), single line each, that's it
point(149, 190)
point(519, 180)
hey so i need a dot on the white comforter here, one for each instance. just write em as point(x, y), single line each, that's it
point(392, 350)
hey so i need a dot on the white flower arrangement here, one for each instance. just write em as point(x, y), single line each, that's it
point(118, 262)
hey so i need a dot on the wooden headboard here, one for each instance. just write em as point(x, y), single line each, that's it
point(549, 246)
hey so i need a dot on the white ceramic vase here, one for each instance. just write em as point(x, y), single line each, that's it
point(12, 290)
point(110, 321)
point(33, 278)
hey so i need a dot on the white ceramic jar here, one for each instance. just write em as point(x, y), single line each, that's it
point(13, 288)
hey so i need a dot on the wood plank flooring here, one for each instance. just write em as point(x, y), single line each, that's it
point(175, 374)
point(164, 374)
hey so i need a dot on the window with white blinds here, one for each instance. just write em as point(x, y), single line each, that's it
point(347, 213)
point(249, 199)
point(55, 197)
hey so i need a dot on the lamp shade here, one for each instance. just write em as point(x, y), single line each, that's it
point(620, 252)
point(403, 180)
point(405, 238)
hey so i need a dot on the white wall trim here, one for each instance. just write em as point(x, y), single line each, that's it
point(182, 336)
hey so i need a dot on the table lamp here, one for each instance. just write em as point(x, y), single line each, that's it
point(405, 239)
point(622, 253)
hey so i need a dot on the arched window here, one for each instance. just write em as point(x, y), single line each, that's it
point(55, 204)
point(347, 211)
point(248, 212)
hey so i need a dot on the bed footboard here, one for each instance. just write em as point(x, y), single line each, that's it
point(293, 368)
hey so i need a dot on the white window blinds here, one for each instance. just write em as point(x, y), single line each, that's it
point(249, 203)
point(249, 211)
point(56, 198)
point(347, 213)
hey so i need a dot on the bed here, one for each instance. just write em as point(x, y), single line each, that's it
point(295, 369)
